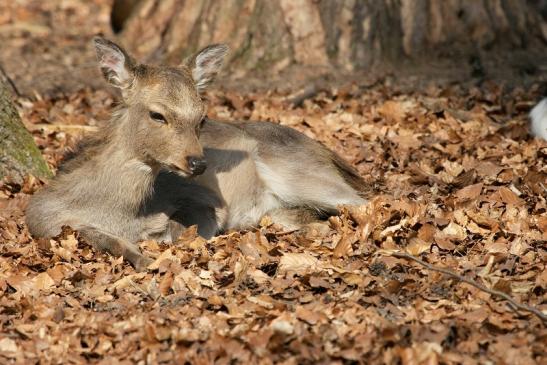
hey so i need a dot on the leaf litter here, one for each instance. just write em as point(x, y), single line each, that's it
point(467, 196)
point(453, 180)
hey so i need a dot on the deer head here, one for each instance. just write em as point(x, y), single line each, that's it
point(162, 107)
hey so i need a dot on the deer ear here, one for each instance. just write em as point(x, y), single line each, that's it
point(206, 64)
point(116, 65)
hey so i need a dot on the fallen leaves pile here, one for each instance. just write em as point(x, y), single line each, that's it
point(453, 179)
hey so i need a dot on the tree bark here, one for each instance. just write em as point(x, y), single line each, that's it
point(344, 34)
point(19, 155)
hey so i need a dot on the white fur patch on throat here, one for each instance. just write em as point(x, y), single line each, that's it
point(139, 166)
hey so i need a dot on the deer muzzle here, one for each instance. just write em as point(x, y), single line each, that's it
point(197, 165)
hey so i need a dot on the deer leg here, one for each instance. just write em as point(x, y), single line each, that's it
point(116, 246)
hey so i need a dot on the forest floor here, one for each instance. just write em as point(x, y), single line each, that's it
point(454, 180)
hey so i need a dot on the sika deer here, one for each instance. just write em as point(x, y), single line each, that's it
point(160, 165)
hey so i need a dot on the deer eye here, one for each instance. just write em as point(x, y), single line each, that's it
point(199, 126)
point(157, 117)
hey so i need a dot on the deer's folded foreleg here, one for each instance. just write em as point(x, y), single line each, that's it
point(116, 246)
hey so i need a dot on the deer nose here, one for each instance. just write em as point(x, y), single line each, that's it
point(197, 165)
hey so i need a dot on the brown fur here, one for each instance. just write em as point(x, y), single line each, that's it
point(350, 175)
point(133, 181)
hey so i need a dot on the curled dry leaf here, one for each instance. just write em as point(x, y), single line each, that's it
point(300, 263)
point(343, 247)
point(165, 255)
point(166, 283)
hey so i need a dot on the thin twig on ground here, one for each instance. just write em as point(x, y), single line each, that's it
point(497, 293)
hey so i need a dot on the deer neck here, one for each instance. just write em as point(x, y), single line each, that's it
point(121, 176)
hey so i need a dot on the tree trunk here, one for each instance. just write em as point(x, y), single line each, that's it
point(19, 155)
point(345, 34)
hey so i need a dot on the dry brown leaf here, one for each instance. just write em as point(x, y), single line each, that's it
point(69, 243)
point(298, 262)
point(343, 247)
point(393, 110)
point(508, 196)
point(427, 232)
point(165, 255)
point(468, 193)
point(166, 283)
point(454, 231)
point(354, 279)
point(542, 224)
point(8, 347)
point(127, 281)
point(283, 325)
point(308, 316)
point(43, 281)
point(190, 280)
point(263, 301)
point(418, 246)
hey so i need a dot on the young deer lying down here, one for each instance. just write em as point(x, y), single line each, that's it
point(161, 166)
